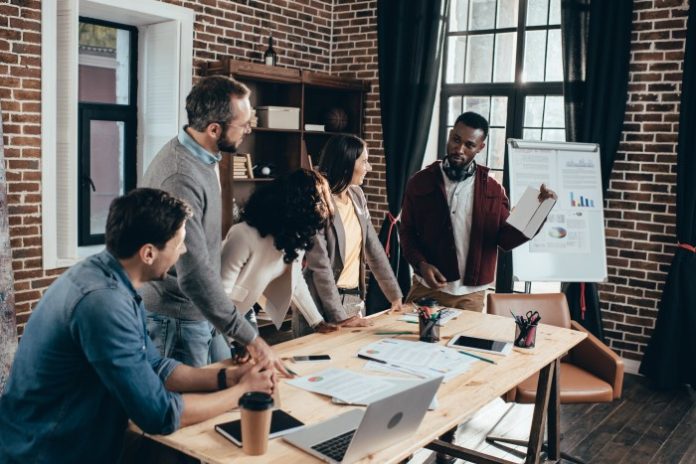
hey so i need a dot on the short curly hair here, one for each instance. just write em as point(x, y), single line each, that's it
point(288, 209)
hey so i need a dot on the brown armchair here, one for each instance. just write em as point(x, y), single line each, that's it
point(590, 373)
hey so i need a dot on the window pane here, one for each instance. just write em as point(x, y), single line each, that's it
point(534, 48)
point(507, 13)
point(496, 145)
point(555, 14)
point(554, 115)
point(554, 60)
point(104, 64)
point(553, 135)
point(457, 16)
point(454, 109)
point(531, 134)
point(537, 12)
point(505, 53)
point(106, 148)
point(455, 60)
point(479, 58)
point(480, 105)
point(482, 14)
point(533, 111)
point(499, 112)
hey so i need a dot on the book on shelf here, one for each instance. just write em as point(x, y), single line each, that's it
point(241, 166)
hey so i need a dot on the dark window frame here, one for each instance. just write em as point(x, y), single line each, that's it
point(89, 111)
point(515, 91)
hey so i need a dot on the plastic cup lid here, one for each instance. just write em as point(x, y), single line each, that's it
point(256, 401)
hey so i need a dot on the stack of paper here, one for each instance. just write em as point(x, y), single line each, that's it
point(349, 387)
point(421, 359)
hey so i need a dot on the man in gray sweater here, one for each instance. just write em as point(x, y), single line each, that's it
point(182, 306)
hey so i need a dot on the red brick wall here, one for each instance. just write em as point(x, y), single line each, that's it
point(355, 55)
point(20, 100)
point(640, 216)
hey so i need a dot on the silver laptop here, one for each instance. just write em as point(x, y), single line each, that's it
point(357, 433)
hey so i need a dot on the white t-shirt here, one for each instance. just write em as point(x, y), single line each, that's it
point(460, 202)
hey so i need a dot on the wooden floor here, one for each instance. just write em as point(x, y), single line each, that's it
point(645, 426)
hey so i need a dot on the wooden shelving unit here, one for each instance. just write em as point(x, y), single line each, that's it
point(286, 149)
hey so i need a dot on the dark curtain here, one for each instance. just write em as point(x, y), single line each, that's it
point(410, 38)
point(670, 358)
point(596, 38)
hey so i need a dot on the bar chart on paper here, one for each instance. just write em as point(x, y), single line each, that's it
point(580, 201)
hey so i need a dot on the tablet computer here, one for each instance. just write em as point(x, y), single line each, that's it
point(281, 423)
point(480, 344)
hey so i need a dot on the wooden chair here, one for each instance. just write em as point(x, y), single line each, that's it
point(590, 373)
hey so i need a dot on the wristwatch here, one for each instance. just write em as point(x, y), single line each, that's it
point(222, 379)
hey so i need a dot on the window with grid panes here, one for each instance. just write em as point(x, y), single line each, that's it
point(503, 60)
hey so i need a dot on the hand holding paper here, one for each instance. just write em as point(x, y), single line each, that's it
point(532, 209)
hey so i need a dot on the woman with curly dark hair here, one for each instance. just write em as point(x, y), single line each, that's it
point(262, 255)
point(335, 270)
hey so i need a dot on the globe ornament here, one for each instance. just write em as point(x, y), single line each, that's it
point(336, 119)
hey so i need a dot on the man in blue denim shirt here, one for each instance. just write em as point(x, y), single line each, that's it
point(85, 363)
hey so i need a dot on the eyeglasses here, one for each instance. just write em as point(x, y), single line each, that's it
point(246, 126)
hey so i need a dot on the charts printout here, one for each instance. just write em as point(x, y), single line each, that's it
point(418, 358)
point(348, 386)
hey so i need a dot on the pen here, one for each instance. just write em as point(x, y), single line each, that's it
point(393, 333)
point(291, 371)
point(362, 356)
point(478, 357)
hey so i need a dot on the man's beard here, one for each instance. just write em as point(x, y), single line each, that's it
point(458, 172)
point(226, 147)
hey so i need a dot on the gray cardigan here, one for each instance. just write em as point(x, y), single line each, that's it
point(192, 289)
point(325, 261)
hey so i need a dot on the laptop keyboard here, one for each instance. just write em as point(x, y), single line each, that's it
point(335, 447)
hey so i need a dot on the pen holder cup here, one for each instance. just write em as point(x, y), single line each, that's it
point(525, 335)
point(428, 331)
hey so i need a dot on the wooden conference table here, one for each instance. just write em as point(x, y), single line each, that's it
point(458, 399)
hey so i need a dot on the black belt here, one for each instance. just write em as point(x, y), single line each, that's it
point(349, 291)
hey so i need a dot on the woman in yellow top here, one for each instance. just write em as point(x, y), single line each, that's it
point(335, 270)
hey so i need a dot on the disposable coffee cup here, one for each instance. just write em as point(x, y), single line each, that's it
point(256, 409)
point(525, 337)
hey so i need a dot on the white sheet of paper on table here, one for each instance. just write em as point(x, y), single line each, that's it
point(349, 386)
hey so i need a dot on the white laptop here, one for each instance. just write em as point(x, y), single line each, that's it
point(357, 433)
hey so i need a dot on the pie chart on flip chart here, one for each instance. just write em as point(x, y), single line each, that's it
point(557, 232)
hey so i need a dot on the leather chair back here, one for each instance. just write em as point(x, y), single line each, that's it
point(552, 307)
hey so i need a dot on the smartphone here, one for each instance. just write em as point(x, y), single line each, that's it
point(311, 358)
point(480, 344)
point(281, 423)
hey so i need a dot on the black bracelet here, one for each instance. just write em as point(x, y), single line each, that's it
point(222, 379)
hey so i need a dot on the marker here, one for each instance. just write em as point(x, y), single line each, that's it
point(393, 333)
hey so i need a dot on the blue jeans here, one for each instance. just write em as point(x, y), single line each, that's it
point(220, 349)
point(184, 340)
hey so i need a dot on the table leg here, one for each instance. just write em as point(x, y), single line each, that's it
point(536, 436)
point(553, 434)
